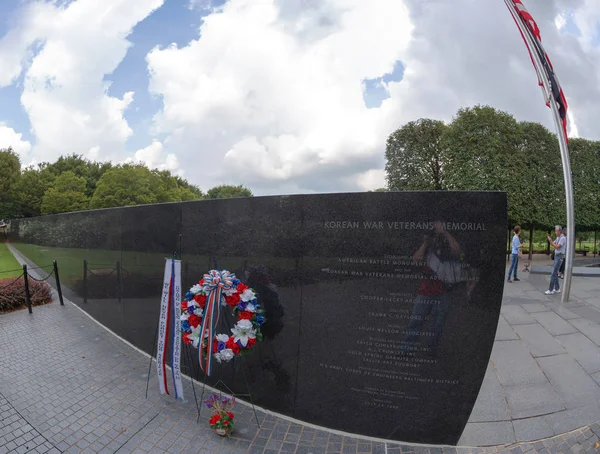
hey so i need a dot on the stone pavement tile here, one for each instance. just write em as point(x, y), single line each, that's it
point(487, 434)
point(588, 312)
point(580, 294)
point(585, 352)
point(539, 341)
point(515, 364)
point(531, 429)
point(534, 307)
point(574, 418)
point(574, 385)
point(554, 323)
point(589, 328)
point(491, 403)
point(516, 315)
point(532, 400)
point(505, 331)
point(594, 302)
point(561, 310)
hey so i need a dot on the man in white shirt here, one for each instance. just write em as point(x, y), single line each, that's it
point(559, 245)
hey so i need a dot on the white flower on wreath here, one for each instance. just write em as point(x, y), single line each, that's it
point(222, 337)
point(250, 308)
point(224, 355)
point(194, 336)
point(243, 331)
point(184, 316)
point(198, 311)
point(248, 295)
point(230, 291)
point(196, 289)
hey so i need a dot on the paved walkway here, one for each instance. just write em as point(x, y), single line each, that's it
point(544, 373)
point(69, 385)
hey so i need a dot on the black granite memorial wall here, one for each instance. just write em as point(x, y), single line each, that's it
point(382, 307)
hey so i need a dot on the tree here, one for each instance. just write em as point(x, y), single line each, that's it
point(90, 171)
point(126, 185)
point(10, 169)
point(416, 156)
point(543, 194)
point(66, 195)
point(227, 191)
point(171, 188)
point(30, 189)
point(135, 184)
point(585, 168)
point(483, 146)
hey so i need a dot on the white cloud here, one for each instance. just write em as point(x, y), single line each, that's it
point(64, 93)
point(372, 179)
point(560, 21)
point(152, 157)
point(10, 138)
point(272, 92)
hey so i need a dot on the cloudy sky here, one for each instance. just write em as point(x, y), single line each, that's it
point(284, 96)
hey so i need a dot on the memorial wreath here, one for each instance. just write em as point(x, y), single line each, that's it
point(201, 313)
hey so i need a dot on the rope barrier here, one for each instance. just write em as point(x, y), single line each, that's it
point(41, 280)
point(100, 275)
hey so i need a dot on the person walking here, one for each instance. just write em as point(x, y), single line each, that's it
point(516, 249)
point(561, 271)
point(559, 245)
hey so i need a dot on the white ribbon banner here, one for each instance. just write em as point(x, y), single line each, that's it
point(163, 324)
point(176, 361)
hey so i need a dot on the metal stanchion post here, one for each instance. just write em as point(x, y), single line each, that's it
point(58, 289)
point(27, 293)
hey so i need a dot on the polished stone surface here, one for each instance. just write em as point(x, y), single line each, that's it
point(382, 306)
point(111, 375)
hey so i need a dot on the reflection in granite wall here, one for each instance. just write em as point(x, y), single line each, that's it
point(382, 307)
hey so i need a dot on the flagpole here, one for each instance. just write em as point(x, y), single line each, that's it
point(563, 144)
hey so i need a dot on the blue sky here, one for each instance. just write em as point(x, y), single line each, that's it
point(175, 22)
point(272, 95)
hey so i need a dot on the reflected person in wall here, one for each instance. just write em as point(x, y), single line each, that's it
point(440, 255)
point(258, 278)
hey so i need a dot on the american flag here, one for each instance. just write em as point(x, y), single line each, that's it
point(555, 88)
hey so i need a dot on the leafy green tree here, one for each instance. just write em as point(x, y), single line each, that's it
point(10, 169)
point(66, 195)
point(90, 171)
point(171, 188)
point(483, 146)
point(585, 168)
point(227, 191)
point(125, 185)
point(416, 156)
point(135, 184)
point(30, 189)
point(543, 195)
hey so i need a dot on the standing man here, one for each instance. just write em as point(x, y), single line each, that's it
point(561, 271)
point(516, 249)
point(559, 245)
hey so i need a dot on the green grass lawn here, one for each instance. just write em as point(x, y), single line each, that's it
point(8, 264)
